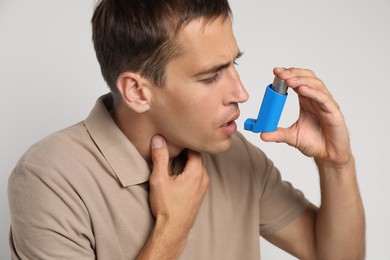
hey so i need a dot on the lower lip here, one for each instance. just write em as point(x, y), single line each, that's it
point(230, 129)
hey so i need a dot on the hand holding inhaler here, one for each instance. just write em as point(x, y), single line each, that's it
point(271, 108)
point(320, 130)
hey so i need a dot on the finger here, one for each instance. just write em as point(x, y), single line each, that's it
point(309, 82)
point(194, 160)
point(303, 72)
point(294, 72)
point(195, 167)
point(281, 135)
point(278, 70)
point(160, 155)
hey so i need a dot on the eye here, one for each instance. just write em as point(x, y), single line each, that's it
point(211, 80)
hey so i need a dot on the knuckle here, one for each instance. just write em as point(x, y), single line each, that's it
point(310, 72)
point(159, 156)
point(155, 180)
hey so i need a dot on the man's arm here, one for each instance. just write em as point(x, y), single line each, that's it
point(48, 219)
point(174, 200)
point(337, 229)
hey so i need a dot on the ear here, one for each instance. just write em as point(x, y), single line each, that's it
point(134, 91)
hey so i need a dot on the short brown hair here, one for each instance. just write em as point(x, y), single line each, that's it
point(138, 35)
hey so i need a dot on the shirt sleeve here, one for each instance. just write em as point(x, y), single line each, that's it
point(48, 220)
point(279, 202)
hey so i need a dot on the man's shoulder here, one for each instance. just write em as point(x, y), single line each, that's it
point(56, 146)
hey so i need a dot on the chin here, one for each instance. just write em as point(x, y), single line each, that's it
point(210, 147)
point(220, 147)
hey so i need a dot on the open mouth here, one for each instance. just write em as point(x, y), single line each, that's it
point(232, 119)
point(230, 127)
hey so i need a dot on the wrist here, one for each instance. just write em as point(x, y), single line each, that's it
point(165, 241)
point(338, 163)
point(337, 173)
point(171, 230)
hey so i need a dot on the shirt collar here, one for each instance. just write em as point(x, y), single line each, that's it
point(124, 159)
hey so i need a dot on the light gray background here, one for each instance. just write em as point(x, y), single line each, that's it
point(49, 79)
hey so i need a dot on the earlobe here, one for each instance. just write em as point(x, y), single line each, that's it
point(135, 94)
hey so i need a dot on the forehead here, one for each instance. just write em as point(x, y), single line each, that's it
point(203, 42)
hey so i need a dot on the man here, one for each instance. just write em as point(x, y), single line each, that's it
point(158, 171)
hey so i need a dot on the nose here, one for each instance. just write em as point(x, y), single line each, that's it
point(237, 92)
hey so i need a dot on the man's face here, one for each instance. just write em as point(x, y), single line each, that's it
point(197, 106)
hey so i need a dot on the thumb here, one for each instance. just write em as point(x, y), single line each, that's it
point(281, 135)
point(160, 155)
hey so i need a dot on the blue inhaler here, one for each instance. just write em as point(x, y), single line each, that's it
point(271, 108)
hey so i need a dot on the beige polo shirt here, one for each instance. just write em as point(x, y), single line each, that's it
point(82, 193)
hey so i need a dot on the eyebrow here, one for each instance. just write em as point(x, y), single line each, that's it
point(218, 68)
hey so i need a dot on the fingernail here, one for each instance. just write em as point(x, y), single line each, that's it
point(157, 142)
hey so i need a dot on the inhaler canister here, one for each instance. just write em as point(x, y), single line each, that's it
point(271, 108)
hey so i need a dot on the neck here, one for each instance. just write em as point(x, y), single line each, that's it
point(139, 129)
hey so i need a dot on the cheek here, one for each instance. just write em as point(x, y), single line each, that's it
point(188, 108)
point(191, 111)
point(194, 122)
